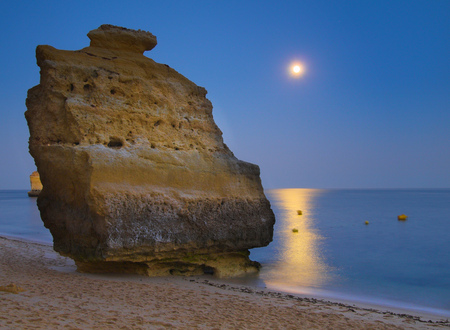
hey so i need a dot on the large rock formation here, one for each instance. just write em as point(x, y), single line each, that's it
point(36, 185)
point(135, 172)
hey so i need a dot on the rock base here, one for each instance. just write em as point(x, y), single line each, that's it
point(220, 265)
point(34, 193)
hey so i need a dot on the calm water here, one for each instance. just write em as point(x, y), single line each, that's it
point(19, 217)
point(334, 254)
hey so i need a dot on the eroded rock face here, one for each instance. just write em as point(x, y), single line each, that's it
point(135, 172)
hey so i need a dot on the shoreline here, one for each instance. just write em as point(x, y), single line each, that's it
point(423, 313)
point(55, 295)
point(381, 305)
point(25, 240)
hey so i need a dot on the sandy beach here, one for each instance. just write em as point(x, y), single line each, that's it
point(39, 289)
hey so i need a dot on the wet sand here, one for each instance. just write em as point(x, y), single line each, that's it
point(52, 295)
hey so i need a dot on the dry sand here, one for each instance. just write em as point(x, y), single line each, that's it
point(52, 295)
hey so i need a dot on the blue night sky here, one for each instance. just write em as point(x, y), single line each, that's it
point(372, 109)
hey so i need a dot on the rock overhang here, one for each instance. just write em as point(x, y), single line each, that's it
point(122, 39)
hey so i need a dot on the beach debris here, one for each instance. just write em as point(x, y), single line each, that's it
point(294, 230)
point(299, 212)
point(402, 217)
point(137, 177)
point(12, 288)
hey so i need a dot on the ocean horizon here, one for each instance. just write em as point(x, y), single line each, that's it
point(329, 251)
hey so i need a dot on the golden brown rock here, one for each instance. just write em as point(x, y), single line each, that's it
point(36, 185)
point(135, 172)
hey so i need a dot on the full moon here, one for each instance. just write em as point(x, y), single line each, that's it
point(297, 69)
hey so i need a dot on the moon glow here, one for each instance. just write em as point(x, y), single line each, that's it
point(297, 69)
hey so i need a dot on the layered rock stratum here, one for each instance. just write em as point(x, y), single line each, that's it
point(136, 176)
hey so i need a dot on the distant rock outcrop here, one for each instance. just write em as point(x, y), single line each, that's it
point(135, 172)
point(36, 185)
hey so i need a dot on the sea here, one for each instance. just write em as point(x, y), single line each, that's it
point(346, 245)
